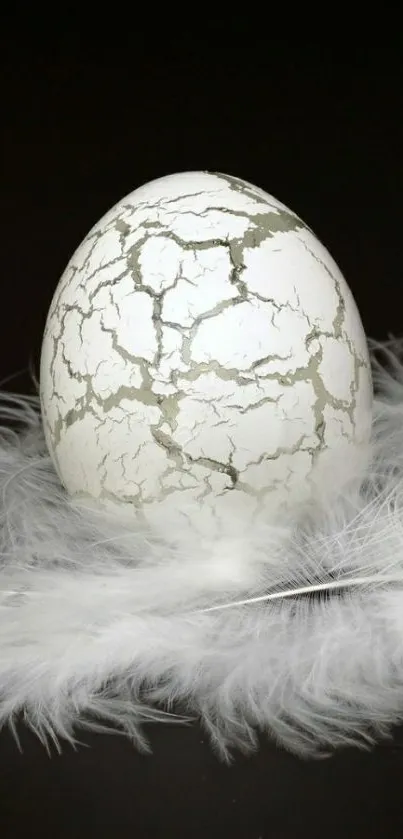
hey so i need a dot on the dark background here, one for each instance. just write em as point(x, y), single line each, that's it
point(320, 129)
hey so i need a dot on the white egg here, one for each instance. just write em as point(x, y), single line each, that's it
point(202, 355)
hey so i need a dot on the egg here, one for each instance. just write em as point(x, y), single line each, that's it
point(202, 357)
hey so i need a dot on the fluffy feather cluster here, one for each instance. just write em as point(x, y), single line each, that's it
point(101, 625)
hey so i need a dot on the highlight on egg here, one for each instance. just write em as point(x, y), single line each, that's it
point(202, 356)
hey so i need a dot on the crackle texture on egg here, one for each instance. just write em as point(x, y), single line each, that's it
point(202, 352)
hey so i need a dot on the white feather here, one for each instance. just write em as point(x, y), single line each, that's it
point(102, 625)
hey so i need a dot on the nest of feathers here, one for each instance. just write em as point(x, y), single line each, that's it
point(295, 630)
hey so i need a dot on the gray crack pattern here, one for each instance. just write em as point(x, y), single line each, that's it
point(175, 373)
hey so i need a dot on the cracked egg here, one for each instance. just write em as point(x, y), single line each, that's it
point(202, 356)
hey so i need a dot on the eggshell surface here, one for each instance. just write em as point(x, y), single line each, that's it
point(202, 355)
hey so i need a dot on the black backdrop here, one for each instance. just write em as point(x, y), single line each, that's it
point(321, 131)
